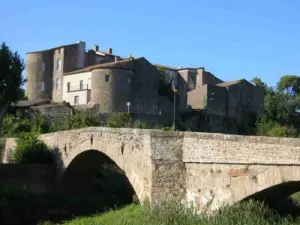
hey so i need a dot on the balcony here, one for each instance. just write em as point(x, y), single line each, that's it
point(77, 88)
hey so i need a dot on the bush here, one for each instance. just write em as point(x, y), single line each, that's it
point(119, 120)
point(140, 125)
point(168, 128)
point(16, 125)
point(271, 128)
point(31, 150)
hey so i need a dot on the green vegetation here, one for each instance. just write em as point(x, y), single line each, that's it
point(165, 89)
point(16, 125)
point(11, 80)
point(273, 128)
point(140, 125)
point(31, 150)
point(119, 120)
point(248, 213)
point(2, 148)
point(281, 108)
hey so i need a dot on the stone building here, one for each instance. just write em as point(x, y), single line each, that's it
point(199, 91)
point(110, 83)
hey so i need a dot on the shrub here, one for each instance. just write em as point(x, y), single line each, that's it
point(119, 120)
point(140, 125)
point(168, 128)
point(16, 125)
point(271, 128)
point(31, 150)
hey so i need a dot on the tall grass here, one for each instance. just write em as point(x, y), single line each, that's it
point(248, 213)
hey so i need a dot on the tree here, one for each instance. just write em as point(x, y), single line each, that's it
point(289, 84)
point(11, 80)
point(258, 82)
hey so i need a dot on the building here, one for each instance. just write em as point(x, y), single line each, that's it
point(95, 78)
point(111, 83)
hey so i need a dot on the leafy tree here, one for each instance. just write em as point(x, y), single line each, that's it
point(257, 81)
point(281, 108)
point(289, 84)
point(11, 67)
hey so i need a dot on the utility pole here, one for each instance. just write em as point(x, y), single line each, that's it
point(174, 116)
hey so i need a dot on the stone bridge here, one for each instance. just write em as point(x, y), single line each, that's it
point(209, 170)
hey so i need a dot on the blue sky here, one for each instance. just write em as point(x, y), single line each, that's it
point(231, 38)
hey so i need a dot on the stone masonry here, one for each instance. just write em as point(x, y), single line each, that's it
point(206, 169)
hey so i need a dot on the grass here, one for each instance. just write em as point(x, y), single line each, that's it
point(247, 213)
point(18, 207)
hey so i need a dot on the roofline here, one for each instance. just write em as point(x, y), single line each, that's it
point(104, 66)
point(165, 67)
point(189, 68)
point(54, 48)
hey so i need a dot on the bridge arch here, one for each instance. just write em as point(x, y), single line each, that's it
point(125, 149)
point(270, 185)
point(93, 172)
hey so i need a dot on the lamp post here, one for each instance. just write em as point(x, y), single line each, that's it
point(128, 106)
point(174, 116)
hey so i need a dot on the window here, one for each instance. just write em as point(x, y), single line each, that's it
point(58, 64)
point(81, 85)
point(106, 78)
point(43, 66)
point(68, 86)
point(57, 84)
point(76, 99)
point(42, 86)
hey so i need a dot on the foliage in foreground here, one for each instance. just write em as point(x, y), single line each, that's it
point(11, 80)
point(31, 150)
point(250, 213)
point(16, 125)
point(119, 120)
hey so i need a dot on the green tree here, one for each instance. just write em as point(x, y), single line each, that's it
point(281, 108)
point(11, 80)
point(257, 81)
point(289, 84)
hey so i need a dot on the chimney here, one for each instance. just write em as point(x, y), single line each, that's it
point(117, 58)
point(96, 48)
point(109, 50)
point(200, 78)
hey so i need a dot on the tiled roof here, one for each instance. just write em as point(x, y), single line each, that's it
point(61, 46)
point(165, 67)
point(117, 64)
point(230, 83)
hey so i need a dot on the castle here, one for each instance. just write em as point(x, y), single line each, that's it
point(93, 78)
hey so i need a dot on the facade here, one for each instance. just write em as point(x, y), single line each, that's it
point(92, 78)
